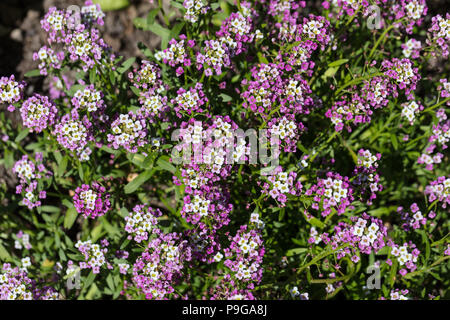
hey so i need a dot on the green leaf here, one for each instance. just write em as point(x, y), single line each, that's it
point(4, 254)
point(89, 280)
point(394, 141)
point(225, 97)
point(69, 219)
point(165, 165)
point(176, 30)
point(22, 134)
point(111, 5)
point(92, 75)
point(126, 65)
point(337, 63)
point(296, 251)
point(51, 209)
point(135, 90)
point(32, 73)
point(62, 166)
point(162, 32)
point(316, 222)
point(152, 15)
point(138, 181)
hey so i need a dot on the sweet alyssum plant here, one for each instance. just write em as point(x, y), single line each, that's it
point(359, 182)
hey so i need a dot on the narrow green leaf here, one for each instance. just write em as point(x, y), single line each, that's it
point(138, 181)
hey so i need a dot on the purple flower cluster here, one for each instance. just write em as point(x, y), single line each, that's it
point(88, 99)
point(365, 177)
point(414, 219)
point(439, 35)
point(49, 59)
point(161, 265)
point(94, 255)
point(439, 190)
point(280, 184)
point(141, 221)
point(11, 91)
point(189, 101)
point(92, 201)
point(332, 193)
point(38, 113)
point(366, 235)
point(30, 173)
point(73, 133)
point(15, 284)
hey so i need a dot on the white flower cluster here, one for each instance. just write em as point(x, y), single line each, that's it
point(313, 233)
point(84, 154)
point(88, 98)
point(34, 112)
point(444, 28)
point(440, 190)
point(92, 12)
point(409, 111)
point(25, 242)
point(127, 129)
point(411, 44)
point(414, 10)
point(56, 20)
point(215, 52)
point(48, 57)
point(187, 100)
point(265, 73)
point(442, 136)
point(24, 169)
point(82, 44)
point(295, 91)
point(380, 92)
point(9, 92)
point(334, 189)
point(368, 234)
point(245, 270)
point(140, 223)
point(402, 254)
point(404, 72)
point(312, 28)
point(254, 218)
point(218, 257)
point(395, 295)
point(74, 131)
point(193, 9)
point(240, 25)
point(16, 291)
point(89, 197)
point(194, 179)
point(95, 256)
point(367, 159)
point(295, 293)
point(199, 205)
point(285, 128)
point(281, 184)
point(175, 53)
point(153, 103)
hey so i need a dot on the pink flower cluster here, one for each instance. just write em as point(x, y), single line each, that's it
point(30, 173)
point(332, 193)
point(92, 201)
point(141, 221)
point(38, 113)
point(161, 265)
point(15, 284)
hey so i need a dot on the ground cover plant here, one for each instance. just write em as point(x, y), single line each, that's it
point(265, 150)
